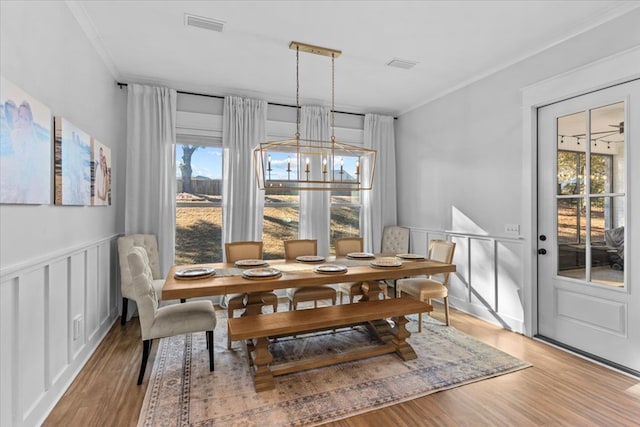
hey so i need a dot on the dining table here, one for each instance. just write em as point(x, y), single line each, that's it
point(228, 278)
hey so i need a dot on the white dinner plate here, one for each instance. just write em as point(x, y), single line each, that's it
point(410, 256)
point(360, 255)
point(331, 268)
point(196, 272)
point(310, 258)
point(250, 263)
point(387, 262)
point(261, 273)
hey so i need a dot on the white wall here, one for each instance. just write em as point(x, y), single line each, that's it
point(466, 151)
point(56, 262)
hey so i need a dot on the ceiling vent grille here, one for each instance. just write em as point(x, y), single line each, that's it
point(401, 63)
point(206, 23)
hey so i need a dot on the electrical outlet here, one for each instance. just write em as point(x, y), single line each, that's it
point(512, 229)
point(76, 326)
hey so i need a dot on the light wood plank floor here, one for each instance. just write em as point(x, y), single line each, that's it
point(559, 390)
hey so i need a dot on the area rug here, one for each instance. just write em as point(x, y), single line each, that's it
point(182, 391)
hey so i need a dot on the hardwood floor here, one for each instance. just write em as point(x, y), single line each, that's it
point(559, 390)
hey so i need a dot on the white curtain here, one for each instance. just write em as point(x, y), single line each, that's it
point(379, 204)
point(244, 127)
point(151, 179)
point(315, 209)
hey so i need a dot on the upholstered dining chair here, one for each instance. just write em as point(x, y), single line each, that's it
point(435, 286)
point(236, 251)
point(343, 247)
point(161, 322)
point(149, 243)
point(395, 240)
point(296, 248)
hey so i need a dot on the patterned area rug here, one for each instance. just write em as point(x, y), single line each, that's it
point(182, 391)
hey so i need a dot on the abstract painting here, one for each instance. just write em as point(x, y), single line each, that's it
point(100, 174)
point(72, 164)
point(25, 147)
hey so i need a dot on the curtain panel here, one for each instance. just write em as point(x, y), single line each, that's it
point(150, 167)
point(244, 127)
point(379, 203)
point(315, 208)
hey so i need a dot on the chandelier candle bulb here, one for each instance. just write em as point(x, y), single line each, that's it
point(324, 165)
point(306, 168)
point(357, 167)
point(269, 163)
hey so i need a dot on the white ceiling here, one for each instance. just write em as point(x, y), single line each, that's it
point(453, 42)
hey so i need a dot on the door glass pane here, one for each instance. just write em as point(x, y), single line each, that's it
point(607, 243)
point(571, 238)
point(571, 158)
point(198, 204)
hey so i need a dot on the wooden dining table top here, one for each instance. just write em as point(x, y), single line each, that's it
point(294, 275)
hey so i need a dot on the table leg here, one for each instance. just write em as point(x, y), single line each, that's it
point(371, 290)
point(400, 334)
point(253, 304)
point(262, 378)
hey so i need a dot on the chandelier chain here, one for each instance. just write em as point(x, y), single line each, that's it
point(333, 98)
point(298, 92)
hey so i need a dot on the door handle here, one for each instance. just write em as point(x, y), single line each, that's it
point(542, 251)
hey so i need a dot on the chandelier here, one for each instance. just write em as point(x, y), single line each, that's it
point(305, 164)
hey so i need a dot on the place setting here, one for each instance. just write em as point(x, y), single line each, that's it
point(360, 255)
point(261, 273)
point(411, 257)
point(250, 263)
point(194, 273)
point(386, 262)
point(311, 259)
point(331, 269)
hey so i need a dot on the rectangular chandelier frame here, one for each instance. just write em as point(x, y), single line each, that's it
point(314, 165)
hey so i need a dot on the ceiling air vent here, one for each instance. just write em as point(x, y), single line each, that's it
point(401, 63)
point(206, 23)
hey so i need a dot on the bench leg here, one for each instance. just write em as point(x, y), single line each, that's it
point(263, 378)
point(400, 334)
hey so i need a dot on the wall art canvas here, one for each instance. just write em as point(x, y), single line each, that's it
point(100, 174)
point(72, 164)
point(25, 147)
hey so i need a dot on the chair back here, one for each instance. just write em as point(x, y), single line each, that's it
point(395, 239)
point(142, 285)
point(348, 244)
point(236, 251)
point(149, 243)
point(296, 248)
point(441, 250)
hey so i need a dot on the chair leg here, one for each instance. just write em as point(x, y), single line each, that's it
point(229, 316)
point(125, 303)
point(419, 322)
point(446, 310)
point(146, 348)
point(210, 345)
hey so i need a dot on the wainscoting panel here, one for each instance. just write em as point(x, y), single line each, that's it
point(54, 311)
point(489, 274)
point(58, 345)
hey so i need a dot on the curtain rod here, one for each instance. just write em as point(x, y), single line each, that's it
point(270, 103)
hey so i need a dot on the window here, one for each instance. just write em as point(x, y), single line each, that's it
point(198, 200)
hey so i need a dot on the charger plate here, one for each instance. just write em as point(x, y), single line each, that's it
point(331, 269)
point(261, 273)
point(194, 273)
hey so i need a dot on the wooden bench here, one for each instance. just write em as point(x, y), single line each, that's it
point(257, 330)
